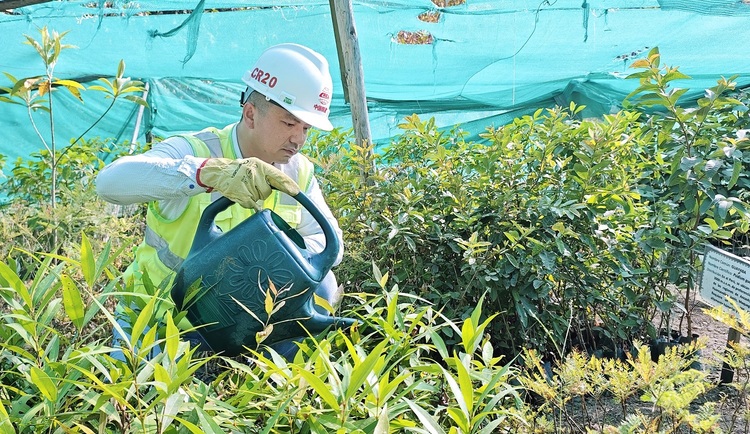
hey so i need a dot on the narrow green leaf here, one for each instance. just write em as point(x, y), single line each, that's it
point(172, 406)
point(428, 422)
point(70, 83)
point(392, 308)
point(195, 429)
point(172, 339)
point(383, 426)
point(320, 388)
point(88, 263)
point(439, 344)
point(73, 302)
point(121, 68)
point(456, 389)
point(736, 172)
point(467, 334)
point(268, 303)
point(363, 370)
point(161, 378)
point(271, 422)
point(143, 319)
point(467, 388)
point(44, 383)
point(490, 427)
point(6, 427)
point(10, 278)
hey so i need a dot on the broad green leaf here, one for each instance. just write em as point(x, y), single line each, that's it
point(44, 383)
point(73, 302)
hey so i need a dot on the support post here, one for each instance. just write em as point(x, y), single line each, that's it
point(350, 61)
point(727, 373)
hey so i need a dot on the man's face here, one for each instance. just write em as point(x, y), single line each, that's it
point(277, 135)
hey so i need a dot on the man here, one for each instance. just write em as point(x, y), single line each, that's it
point(288, 91)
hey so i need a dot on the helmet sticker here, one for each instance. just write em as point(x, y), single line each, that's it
point(325, 96)
point(287, 99)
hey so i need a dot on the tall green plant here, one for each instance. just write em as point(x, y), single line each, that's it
point(36, 94)
point(699, 169)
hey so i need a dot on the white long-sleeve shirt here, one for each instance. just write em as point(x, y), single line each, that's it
point(167, 174)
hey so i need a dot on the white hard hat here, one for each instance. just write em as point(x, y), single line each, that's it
point(297, 79)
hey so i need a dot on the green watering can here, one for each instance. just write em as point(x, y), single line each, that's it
point(227, 274)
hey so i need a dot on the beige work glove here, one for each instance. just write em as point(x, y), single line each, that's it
point(245, 181)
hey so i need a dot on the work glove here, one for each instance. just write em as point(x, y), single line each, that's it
point(244, 181)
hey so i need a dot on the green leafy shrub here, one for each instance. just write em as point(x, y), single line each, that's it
point(636, 394)
point(31, 224)
point(581, 232)
point(50, 196)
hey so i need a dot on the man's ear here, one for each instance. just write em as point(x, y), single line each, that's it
point(248, 114)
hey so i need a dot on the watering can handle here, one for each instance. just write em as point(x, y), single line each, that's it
point(207, 231)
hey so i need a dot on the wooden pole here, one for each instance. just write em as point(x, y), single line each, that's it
point(350, 61)
point(727, 373)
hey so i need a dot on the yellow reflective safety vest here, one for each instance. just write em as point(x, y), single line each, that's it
point(167, 241)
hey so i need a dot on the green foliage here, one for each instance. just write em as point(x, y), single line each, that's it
point(578, 231)
point(585, 393)
point(699, 170)
point(560, 236)
point(47, 190)
point(386, 375)
point(31, 224)
point(77, 168)
point(534, 218)
point(736, 360)
point(36, 94)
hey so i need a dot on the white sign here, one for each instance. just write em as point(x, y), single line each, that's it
point(725, 275)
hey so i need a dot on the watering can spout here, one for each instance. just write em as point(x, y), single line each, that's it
point(318, 322)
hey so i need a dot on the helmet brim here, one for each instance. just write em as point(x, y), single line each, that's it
point(319, 122)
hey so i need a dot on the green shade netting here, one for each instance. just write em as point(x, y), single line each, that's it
point(490, 61)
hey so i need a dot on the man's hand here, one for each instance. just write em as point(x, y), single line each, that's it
point(244, 181)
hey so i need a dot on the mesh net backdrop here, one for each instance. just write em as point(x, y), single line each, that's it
point(476, 64)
